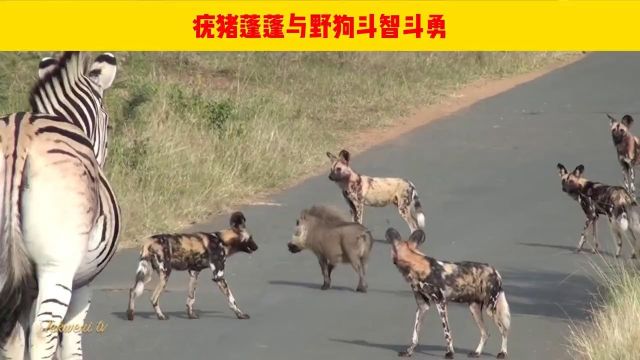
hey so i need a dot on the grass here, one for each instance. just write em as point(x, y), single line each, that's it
point(614, 330)
point(194, 133)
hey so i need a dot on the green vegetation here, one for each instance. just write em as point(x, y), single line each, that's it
point(614, 330)
point(193, 133)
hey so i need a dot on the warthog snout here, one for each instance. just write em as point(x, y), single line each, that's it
point(293, 248)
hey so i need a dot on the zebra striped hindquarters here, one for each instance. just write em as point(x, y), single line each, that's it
point(60, 219)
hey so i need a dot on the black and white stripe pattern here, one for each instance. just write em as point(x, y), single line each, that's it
point(60, 220)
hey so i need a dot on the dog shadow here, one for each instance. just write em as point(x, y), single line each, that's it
point(338, 288)
point(311, 285)
point(586, 250)
point(432, 350)
point(171, 314)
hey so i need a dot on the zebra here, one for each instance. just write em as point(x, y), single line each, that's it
point(59, 217)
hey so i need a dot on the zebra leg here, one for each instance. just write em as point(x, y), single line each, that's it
point(54, 297)
point(71, 345)
point(632, 181)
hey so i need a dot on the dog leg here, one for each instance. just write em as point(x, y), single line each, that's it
point(616, 235)
point(423, 306)
point(442, 310)
point(143, 275)
point(476, 312)
point(594, 227)
point(502, 318)
point(191, 297)
point(583, 235)
point(359, 212)
point(224, 287)
point(155, 297)
point(405, 213)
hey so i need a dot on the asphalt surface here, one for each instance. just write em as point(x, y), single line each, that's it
point(488, 182)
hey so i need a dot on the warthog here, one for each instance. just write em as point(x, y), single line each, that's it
point(334, 239)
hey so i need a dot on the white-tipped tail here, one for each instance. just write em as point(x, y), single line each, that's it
point(420, 219)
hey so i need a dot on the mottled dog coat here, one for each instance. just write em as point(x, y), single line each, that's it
point(360, 190)
point(334, 239)
point(597, 199)
point(476, 284)
point(627, 148)
point(193, 253)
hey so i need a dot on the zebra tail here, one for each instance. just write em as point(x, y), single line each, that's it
point(16, 270)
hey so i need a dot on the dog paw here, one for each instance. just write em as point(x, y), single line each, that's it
point(193, 315)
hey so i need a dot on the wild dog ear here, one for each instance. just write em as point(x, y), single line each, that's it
point(392, 235)
point(418, 237)
point(562, 171)
point(103, 70)
point(627, 120)
point(578, 170)
point(344, 155)
point(612, 120)
point(237, 220)
point(46, 65)
point(331, 156)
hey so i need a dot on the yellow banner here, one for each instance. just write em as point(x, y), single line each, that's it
point(302, 25)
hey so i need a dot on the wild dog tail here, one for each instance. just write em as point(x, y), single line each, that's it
point(143, 275)
point(145, 265)
point(499, 307)
point(16, 270)
point(416, 207)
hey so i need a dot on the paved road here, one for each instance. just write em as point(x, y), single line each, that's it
point(488, 182)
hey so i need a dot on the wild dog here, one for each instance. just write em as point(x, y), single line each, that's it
point(627, 148)
point(476, 284)
point(360, 190)
point(193, 253)
point(597, 199)
point(334, 239)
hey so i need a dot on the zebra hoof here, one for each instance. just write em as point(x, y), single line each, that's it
point(130, 315)
point(502, 355)
point(243, 316)
point(474, 354)
point(633, 256)
point(405, 353)
point(448, 355)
